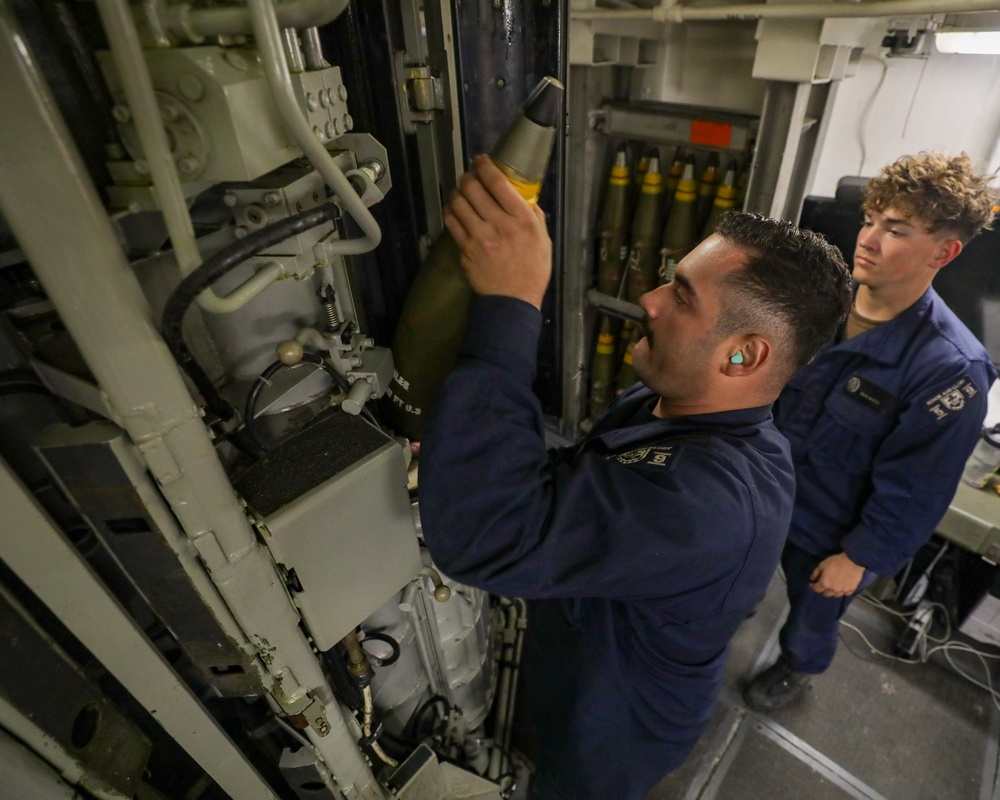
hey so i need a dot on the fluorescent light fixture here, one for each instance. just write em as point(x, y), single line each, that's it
point(969, 42)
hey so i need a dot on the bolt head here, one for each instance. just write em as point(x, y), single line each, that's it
point(272, 198)
point(348, 122)
point(190, 87)
point(231, 200)
point(141, 166)
point(240, 232)
point(121, 113)
point(311, 102)
point(342, 92)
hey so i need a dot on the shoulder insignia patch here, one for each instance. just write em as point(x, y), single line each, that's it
point(951, 400)
point(655, 456)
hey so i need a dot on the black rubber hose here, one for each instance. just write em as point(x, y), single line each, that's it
point(377, 636)
point(227, 259)
point(250, 410)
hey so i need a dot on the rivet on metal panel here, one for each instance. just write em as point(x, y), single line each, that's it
point(188, 165)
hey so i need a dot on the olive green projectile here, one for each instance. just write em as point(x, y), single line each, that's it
point(602, 370)
point(637, 178)
point(436, 310)
point(725, 199)
point(626, 372)
point(706, 189)
point(640, 272)
point(672, 180)
point(680, 233)
point(613, 235)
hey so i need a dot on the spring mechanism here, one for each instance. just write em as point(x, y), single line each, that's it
point(329, 299)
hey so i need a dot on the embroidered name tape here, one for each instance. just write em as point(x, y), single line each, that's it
point(951, 400)
point(658, 456)
point(869, 394)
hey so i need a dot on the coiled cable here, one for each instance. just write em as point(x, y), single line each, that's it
point(250, 410)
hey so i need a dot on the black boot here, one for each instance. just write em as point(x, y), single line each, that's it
point(776, 686)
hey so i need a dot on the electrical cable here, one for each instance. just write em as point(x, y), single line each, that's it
point(249, 421)
point(222, 262)
point(946, 649)
point(863, 125)
point(874, 601)
point(417, 718)
point(377, 636)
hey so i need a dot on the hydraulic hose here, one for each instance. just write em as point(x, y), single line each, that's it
point(208, 273)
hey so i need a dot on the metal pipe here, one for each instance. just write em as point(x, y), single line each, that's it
point(126, 51)
point(293, 50)
point(269, 41)
point(312, 48)
point(45, 186)
point(196, 24)
point(879, 8)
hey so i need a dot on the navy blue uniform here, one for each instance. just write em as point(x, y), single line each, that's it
point(880, 426)
point(642, 548)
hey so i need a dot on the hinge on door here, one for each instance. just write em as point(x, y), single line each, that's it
point(420, 93)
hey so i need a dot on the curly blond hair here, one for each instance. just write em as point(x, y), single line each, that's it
point(943, 192)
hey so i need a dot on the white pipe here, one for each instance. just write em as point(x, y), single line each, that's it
point(196, 24)
point(126, 50)
point(270, 43)
point(45, 186)
point(313, 337)
point(248, 290)
point(312, 49)
point(748, 11)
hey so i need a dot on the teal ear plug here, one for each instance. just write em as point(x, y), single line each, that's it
point(737, 357)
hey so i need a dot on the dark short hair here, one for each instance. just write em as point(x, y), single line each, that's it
point(794, 287)
point(943, 192)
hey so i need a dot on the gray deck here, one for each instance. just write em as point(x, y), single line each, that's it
point(868, 728)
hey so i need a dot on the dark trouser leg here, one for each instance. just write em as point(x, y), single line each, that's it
point(809, 637)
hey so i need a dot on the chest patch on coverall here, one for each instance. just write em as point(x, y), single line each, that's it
point(661, 456)
point(951, 400)
point(869, 394)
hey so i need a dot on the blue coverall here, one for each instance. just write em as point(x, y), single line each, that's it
point(642, 548)
point(880, 426)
